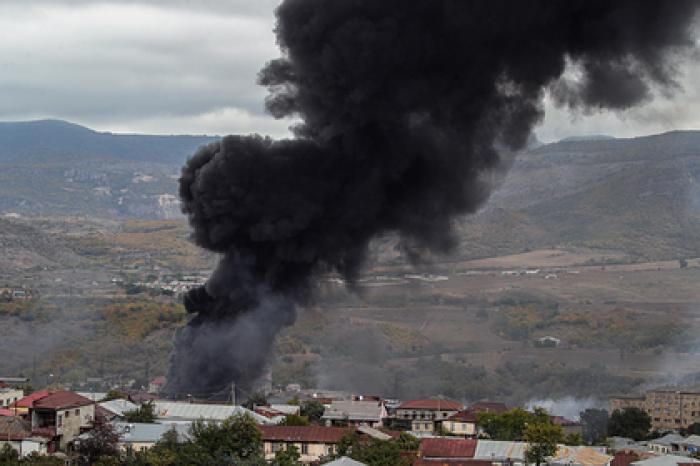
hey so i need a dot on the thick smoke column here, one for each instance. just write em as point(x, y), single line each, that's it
point(406, 106)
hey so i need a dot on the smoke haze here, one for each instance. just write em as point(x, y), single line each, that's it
point(409, 110)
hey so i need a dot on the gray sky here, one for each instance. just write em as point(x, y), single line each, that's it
point(189, 66)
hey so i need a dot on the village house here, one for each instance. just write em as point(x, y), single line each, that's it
point(9, 396)
point(462, 423)
point(424, 414)
point(61, 415)
point(176, 411)
point(139, 437)
point(443, 450)
point(157, 384)
point(568, 427)
point(312, 442)
point(17, 433)
point(355, 413)
point(488, 407)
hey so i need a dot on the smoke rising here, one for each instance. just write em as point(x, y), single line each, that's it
point(407, 110)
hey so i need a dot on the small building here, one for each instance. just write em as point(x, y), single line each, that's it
point(139, 437)
point(312, 442)
point(10, 396)
point(176, 411)
point(354, 413)
point(157, 384)
point(666, 460)
point(447, 449)
point(568, 427)
point(462, 423)
point(62, 416)
point(668, 444)
point(548, 342)
point(424, 414)
point(115, 409)
point(17, 433)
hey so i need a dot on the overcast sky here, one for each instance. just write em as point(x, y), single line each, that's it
point(189, 66)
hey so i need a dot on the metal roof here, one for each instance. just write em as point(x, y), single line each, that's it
point(118, 406)
point(345, 461)
point(665, 460)
point(136, 432)
point(354, 410)
point(495, 449)
point(208, 412)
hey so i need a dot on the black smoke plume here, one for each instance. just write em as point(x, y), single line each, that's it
point(406, 109)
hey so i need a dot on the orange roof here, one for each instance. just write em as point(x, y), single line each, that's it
point(434, 405)
point(61, 399)
point(315, 434)
point(447, 448)
point(28, 401)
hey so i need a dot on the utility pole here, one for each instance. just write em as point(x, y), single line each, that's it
point(233, 393)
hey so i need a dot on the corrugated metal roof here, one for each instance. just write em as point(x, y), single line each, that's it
point(354, 410)
point(345, 461)
point(208, 412)
point(316, 434)
point(665, 460)
point(495, 449)
point(118, 406)
point(447, 448)
point(435, 405)
point(583, 456)
point(130, 432)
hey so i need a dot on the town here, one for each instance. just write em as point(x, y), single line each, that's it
point(293, 426)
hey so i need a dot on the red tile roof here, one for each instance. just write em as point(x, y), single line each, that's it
point(463, 416)
point(62, 399)
point(488, 407)
point(315, 434)
point(28, 401)
point(434, 405)
point(160, 380)
point(447, 448)
point(6, 412)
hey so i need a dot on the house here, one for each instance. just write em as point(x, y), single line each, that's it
point(354, 413)
point(313, 442)
point(666, 460)
point(424, 414)
point(668, 409)
point(9, 396)
point(452, 449)
point(462, 423)
point(670, 443)
point(139, 437)
point(157, 384)
point(18, 434)
point(501, 451)
point(61, 415)
point(548, 342)
point(175, 411)
point(624, 458)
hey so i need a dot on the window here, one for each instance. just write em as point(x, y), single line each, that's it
point(59, 420)
point(330, 450)
point(304, 448)
point(67, 414)
point(77, 412)
point(277, 446)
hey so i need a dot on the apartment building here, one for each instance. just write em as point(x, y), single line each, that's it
point(668, 409)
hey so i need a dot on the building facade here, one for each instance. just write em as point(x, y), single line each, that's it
point(668, 409)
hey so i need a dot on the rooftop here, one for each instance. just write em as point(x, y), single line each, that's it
point(193, 411)
point(14, 428)
point(365, 410)
point(315, 434)
point(60, 400)
point(488, 407)
point(433, 405)
point(135, 432)
point(28, 401)
point(447, 448)
point(463, 416)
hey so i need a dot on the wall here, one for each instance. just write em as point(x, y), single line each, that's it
point(70, 422)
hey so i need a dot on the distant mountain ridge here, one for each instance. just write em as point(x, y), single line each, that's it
point(639, 195)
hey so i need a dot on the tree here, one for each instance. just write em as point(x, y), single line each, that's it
point(101, 442)
point(144, 413)
point(573, 439)
point(313, 410)
point(507, 426)
point(595, 425)
point(294, 420)
point(113, 395)
point(8, 455)
point(236, 438)
point(379, 453)
point(542, 439)
point(287, 457)
point(408, 442)
point(630, 422)
point(692, 429)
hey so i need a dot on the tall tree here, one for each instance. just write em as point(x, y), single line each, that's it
point(630, 422)
point(101, 442)
point(595, 425)
point(542, 439)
